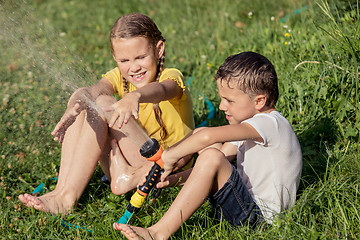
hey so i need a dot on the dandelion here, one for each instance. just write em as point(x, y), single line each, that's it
point(272, 18)
point(286, 43)
point(287, 35)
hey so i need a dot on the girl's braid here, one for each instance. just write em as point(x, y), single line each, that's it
point(125, 86)
point(156, 106)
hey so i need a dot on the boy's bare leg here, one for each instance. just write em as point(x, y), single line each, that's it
point(209, 174)
point(82, 146)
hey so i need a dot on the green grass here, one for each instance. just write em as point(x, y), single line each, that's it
point(49, 48)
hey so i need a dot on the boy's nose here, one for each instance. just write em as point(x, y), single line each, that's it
point(222, 105)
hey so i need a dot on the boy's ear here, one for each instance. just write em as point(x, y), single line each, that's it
point(260, 101)
point(160, 48)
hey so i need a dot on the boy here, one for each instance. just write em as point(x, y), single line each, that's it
point(269, 159)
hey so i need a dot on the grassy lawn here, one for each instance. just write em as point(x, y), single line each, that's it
point(50, 48)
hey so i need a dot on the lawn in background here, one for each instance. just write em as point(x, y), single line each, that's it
point(49, 48)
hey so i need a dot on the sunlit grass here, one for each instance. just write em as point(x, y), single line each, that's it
point(50, 48)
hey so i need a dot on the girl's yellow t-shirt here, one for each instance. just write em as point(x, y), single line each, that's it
point(177, 113)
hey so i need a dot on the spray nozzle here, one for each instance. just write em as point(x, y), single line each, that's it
point(149, 148)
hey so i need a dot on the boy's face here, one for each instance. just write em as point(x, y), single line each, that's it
point(237, 105)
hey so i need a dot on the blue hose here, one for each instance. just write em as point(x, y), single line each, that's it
point(125, 218)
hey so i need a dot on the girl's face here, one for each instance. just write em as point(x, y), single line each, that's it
point(137, 59)
point(236, 104)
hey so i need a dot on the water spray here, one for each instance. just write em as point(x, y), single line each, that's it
point(152, 151)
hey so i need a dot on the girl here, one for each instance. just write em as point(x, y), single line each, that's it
point(98, 128)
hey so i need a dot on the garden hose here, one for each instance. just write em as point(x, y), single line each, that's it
point(152, 151)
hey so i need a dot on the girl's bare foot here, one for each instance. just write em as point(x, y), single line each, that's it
point(132, 233)
point(47, 203)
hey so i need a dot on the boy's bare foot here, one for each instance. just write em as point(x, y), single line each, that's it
point(47, 203)
point(132, 233)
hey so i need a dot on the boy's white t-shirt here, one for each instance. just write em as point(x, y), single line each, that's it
point(271, 170)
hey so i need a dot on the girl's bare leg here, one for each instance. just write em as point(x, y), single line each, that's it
point(209, 174)
point(124, 166)
point(83, 144)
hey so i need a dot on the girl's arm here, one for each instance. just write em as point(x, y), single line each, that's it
point(80, 100)
point(151, 93)
point(204, 138)
point(156, 92)
point(88, 95)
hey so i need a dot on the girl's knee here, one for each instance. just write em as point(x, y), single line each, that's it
point(104, 100)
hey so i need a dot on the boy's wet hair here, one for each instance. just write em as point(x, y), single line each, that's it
point(253, 73)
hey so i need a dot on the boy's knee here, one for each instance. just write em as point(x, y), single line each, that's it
point(211, 157)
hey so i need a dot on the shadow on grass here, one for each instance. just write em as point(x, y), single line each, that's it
point(316, 141)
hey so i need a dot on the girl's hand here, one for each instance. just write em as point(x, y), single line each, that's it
point(123, 110)
point(66, 120)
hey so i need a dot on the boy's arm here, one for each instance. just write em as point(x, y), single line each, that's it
point(177, 179)
point(206, 137)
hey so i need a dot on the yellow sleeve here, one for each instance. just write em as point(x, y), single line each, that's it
point(115, 78)
point(175, 75)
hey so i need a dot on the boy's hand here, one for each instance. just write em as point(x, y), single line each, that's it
point(169, 164)
point(158, 183)
point(124, 109)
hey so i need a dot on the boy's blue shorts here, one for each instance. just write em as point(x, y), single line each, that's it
point(234, 203)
